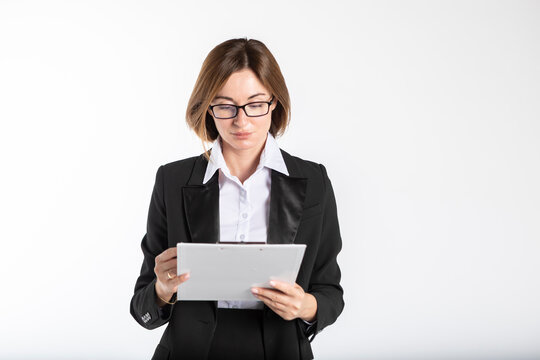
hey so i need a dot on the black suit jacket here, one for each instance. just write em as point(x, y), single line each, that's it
point(182, 209)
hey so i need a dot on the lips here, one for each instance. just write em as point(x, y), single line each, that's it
point(241, 135)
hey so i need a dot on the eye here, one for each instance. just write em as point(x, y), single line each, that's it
point(223, 107)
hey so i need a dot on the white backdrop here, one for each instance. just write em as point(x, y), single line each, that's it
point(426, 115)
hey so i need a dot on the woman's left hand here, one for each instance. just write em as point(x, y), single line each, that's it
point(288, 301)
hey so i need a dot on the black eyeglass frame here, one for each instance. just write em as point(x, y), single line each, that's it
point(243, 107)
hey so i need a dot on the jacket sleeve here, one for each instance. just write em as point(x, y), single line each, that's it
point(324, 283)
point(144, 307)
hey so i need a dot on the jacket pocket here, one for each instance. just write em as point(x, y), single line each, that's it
point(161, 353)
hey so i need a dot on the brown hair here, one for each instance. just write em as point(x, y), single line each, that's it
point(226, 58)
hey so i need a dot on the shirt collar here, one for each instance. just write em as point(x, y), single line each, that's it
point(271, 158)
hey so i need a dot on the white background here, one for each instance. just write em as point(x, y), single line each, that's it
point(426, 115)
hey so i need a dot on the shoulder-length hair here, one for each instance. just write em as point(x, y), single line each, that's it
point(226, 58)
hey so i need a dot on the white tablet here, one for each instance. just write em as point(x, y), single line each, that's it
point(228, 271)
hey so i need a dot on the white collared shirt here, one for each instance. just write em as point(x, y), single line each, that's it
point(244, 208)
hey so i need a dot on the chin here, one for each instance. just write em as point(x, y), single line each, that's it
point(244, 144)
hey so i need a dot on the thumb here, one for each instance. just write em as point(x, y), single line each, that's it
point(179, 280)
point(182, 278)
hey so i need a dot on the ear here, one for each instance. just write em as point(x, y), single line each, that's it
point(274, 104)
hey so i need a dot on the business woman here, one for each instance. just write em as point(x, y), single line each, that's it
point(245, 189)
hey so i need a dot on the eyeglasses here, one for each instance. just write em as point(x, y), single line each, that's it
point(254, 109)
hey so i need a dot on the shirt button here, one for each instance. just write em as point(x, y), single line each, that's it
point(242, 237)
point(244, 215)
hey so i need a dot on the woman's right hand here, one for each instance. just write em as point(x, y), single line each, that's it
point(167, 282)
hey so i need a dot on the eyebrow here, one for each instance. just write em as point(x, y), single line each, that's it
point(230, 99)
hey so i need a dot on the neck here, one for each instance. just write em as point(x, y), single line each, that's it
point(241, 163)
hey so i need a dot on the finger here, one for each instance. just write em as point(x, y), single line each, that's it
point(162, 267)
point(276, 306)
point(284, 287)
point(171, 264)
point(165, 274)
point(266, 301)
point(279, 309)
point(170, 274)
point(286, 308)
point(273, 295)
point(166, 255)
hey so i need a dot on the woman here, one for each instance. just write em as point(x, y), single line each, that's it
point(245, 189)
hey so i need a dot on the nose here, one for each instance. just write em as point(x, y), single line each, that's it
point(241, 118)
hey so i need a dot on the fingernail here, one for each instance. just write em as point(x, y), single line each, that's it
point(273, 283)
point(255, 291)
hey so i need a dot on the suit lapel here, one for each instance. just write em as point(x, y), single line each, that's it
point(286, 203)
point(201, 204)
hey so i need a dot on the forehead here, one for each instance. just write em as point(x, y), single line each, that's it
point(241, 85)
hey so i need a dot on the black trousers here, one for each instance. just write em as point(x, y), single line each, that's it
point(238, 335)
